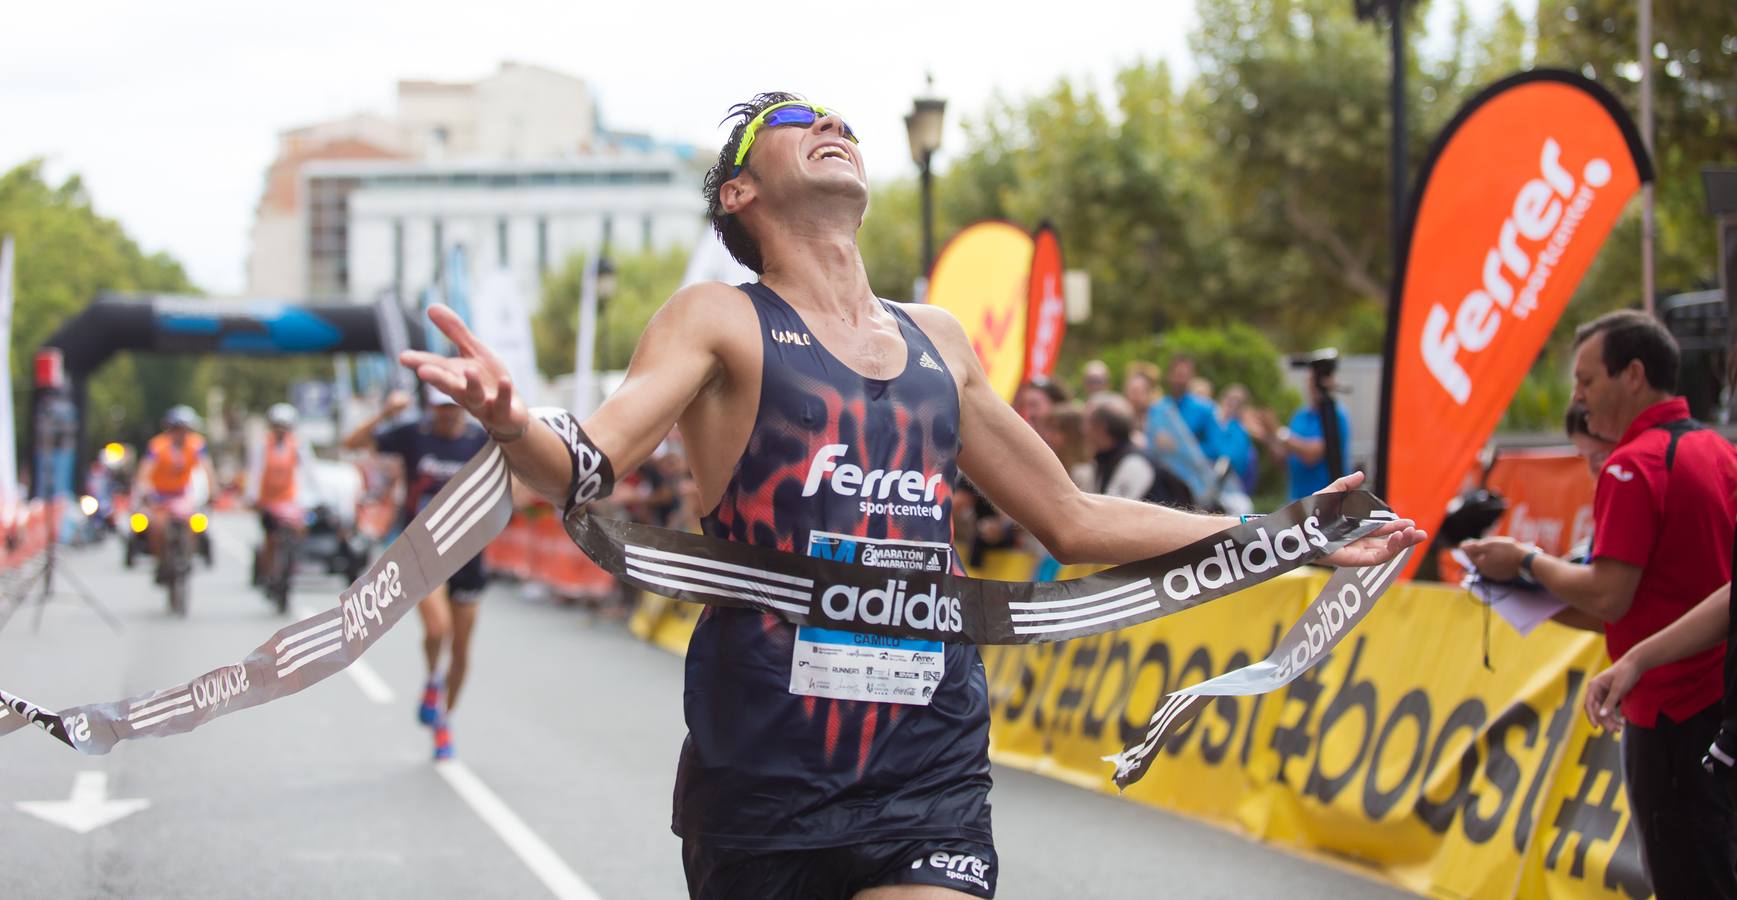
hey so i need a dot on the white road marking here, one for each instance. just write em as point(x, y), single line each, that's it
point(543, 862)
point(89, 807)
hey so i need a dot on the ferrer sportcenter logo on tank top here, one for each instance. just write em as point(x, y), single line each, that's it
point(890, 492)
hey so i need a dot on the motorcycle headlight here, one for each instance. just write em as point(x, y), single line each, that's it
point(198, 522)
point(139, 522)
point(88, 505)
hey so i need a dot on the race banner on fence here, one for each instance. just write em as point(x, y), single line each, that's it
point(1511, 206)
point(1399, 751)
point(1549, 496)
point(982, 276)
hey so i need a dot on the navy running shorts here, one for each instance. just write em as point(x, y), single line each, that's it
point(837, 873)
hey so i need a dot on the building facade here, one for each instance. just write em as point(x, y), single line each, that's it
point(514, 168)
point(401, 219)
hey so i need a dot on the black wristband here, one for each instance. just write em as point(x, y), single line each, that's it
point(593, 475)
point(1525, 570)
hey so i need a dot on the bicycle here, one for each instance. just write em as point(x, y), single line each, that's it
point(175, 568)
point(277, 578)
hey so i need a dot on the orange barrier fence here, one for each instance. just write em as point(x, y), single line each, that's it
point(536, 548)
point(1549, 494)
point(25, 531)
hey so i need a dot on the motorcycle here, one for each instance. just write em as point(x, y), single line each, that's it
point(184, 534)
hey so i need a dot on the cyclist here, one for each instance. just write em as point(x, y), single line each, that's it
point(275, 485)
point(165, 483)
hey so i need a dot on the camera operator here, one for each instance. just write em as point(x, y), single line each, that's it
point(1308, 446)
point(1663, 508)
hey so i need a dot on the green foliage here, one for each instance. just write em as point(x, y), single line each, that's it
point(1257, 192)
point(1695, 120)
point(1234, 353)
point(66, 254)
point(643, 281)
point(1541, 399)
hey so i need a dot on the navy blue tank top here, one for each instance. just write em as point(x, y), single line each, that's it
point(852, 468)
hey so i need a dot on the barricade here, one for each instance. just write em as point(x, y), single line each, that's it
point(534, 547)
point(25, 530)
point(374, 518)
point(561, 565)
point(510, 553)
point(1549, 494)
point(1400, 751)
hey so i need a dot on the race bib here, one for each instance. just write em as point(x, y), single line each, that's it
point(848, 665)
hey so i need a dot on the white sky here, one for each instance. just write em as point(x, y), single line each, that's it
point(170, 110)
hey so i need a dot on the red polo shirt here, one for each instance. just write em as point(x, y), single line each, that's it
point(1676, 527)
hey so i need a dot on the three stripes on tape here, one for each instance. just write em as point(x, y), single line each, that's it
point(475, 505)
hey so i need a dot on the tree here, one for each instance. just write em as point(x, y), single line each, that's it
point(1695, 116)
point(66, 255)
point(643, 281)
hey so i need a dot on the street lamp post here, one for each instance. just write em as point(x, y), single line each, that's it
point(595, 289)
point(923, 125)
point(1370, 10)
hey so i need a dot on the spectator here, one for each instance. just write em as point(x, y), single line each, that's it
point(1119, 468)
point(1595, 451)
point(1663, 511)
point(1137, 389)
point(1196, 411)
point(1064, 429)
point(1172, 441)
point(1233, 442)
point(1301, 445)
point(1591, 447)
point(1033, 401)
point(1200, 386)
point(1094, 378)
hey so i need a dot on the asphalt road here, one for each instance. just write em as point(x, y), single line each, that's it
point(567, 738)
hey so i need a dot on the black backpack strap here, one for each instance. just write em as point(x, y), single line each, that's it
point(1676, 429)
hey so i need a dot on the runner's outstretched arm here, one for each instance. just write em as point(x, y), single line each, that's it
point(676, 357)
point(1019, 473)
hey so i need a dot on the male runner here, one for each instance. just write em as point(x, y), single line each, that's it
point(274, 482)
point(822, 419)
point(433, 449)
point(164, 482)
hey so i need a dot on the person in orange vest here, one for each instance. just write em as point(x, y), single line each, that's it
point(165, 480)
point(275, 485)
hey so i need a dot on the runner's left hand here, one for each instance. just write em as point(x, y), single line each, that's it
point(476, 377)
point(1381, 545)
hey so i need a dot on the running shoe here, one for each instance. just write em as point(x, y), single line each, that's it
point(442, 741)
point(429, 712)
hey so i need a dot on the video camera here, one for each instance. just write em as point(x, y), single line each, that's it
point(1324, 363)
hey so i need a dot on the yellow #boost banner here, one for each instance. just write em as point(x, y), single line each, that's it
point(1400, 750)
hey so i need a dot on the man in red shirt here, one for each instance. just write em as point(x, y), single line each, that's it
point(1664, 510)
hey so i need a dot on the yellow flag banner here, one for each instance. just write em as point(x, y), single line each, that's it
point(1400, 751)
point(983, 277)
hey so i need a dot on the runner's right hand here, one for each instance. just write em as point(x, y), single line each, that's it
point(476, 377)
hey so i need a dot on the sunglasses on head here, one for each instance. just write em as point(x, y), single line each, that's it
point(791, 112)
